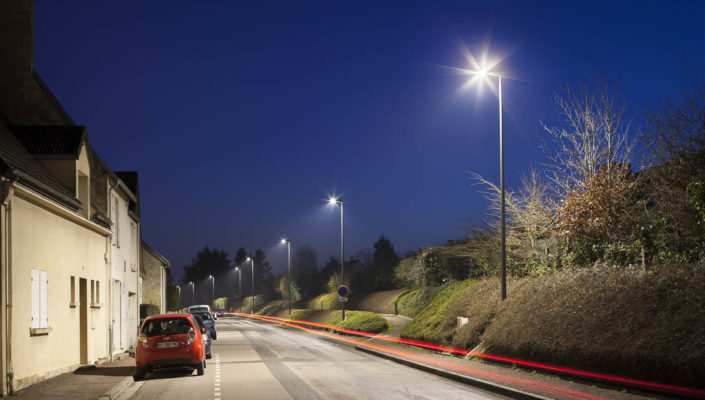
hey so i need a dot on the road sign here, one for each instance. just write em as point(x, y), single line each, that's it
point(342, 299)
point(343, 291)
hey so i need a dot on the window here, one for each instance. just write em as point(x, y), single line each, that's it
point(133, 251)
point(73, 292)
point(92, 292)
point(39, 299)
point(97, 292)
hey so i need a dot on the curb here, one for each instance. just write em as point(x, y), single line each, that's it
point(117, 390)
point(479, 383)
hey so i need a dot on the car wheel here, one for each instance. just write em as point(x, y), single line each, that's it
point(209, 356)
point(214, 336)
point(200, 366)
point(139, 375)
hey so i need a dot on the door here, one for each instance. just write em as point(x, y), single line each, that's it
point(83, 335)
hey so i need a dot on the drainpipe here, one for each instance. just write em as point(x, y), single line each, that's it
point(5, 194)
point(110, 273)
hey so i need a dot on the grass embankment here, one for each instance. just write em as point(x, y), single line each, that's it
point(325, 301)
point(427, 323)
point(618, 320)
point(411, 303)
point(364, 321)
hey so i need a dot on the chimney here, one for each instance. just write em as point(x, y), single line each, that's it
point(16, 60)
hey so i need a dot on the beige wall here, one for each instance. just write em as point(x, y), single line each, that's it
point(153, 281)
point(42, 238)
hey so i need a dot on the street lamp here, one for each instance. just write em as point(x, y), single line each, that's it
point(288, 286)
point(193, 293)
point(211, 276)
point(483, 74)
point(179, 287)
point(252, 260)
point(239, 282)
point(333, 201)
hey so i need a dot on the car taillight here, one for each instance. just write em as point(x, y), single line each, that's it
point(143, 340)
point(191, 336)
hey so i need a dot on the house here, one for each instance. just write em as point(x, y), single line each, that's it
point(54, 259)
point(119, 200)
point(70, 230)
point(154, 271)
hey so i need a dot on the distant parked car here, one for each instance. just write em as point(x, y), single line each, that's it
point(170, 340)
point(210, 322)
point(199, 307)
point(206, 333)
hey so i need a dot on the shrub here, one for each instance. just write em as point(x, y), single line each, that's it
point(148, 309)
point(364, 321)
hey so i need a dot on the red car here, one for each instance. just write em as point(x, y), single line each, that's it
point(170, 340)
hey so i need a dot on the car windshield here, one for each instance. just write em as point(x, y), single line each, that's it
point(164, 326)
point(205, 316)
point(199, 309)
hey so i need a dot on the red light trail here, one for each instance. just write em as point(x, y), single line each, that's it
point(549, 389)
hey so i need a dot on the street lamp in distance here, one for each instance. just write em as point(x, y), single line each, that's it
point(252, 261)
point(287, 242)
point(333, 201)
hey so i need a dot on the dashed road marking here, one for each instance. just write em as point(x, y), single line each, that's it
point(216, 384)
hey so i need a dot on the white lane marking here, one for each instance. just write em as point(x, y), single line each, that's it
point(216, 384)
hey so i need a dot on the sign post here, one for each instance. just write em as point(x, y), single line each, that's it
point(343, 292)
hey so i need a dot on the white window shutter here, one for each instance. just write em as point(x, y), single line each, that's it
point(43, 289)
point(36, 302)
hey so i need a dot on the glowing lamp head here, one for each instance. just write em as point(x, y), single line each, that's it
point(332, 200)
point(283, 241)
point(237, 268)
point(249, 259)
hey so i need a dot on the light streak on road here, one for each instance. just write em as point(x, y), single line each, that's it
point(670, 389)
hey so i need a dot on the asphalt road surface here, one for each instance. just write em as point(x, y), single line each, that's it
point(253, 360)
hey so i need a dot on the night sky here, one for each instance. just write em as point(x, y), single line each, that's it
point(241, 118)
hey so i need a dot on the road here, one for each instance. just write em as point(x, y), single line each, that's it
point(253, 360)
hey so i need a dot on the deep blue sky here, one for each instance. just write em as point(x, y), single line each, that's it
point(241, 117)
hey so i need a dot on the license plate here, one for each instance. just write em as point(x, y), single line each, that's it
point(164, 345)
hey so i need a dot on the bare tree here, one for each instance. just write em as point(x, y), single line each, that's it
point(594, 135)
point(591, 155)
point(528, 222)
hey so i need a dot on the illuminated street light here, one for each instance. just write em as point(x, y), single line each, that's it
point(484, 73)
point(250, 259)
point(193, 293)
point(239, 282)
point(333, 201)
point(211, 276)
point(288, 286)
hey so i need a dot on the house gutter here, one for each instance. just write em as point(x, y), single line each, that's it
point(110, 272)
point(6, 273)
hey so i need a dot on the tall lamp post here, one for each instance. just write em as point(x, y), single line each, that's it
point(252, 261)
point(239, 282)
point(179, 287)
point(288, 286)
point(193, 293)
point(484, 74)
point(334, 201)
point(212, 278)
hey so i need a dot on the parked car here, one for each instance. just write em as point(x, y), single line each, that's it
point(199, 307)
point(206, 333)
point(170, 340)
point(210, 322)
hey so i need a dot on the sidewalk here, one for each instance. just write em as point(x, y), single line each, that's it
point(88, 383)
